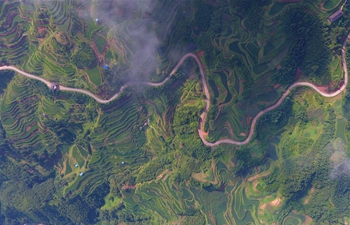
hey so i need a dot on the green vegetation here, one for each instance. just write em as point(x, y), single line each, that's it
point(331, 4)
point(94, 76)
point(84, 56)
point(65, 159)
point(309, 50)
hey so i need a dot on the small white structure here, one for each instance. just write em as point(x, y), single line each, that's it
point(76, 165)
point(96, 20)
point(81, 174)
point(123, 163)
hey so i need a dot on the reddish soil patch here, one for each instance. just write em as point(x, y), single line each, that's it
point(60, 37)
point(42, 31)
point(227, 17)
point(30, 126)
point(242, 134)
point(204, 133)
point(263, 206)
point(275, 202)
point(276, 86)
point(259, 43)
point(258, 176)
point(221, 188)
point(308, 220)
point(298, 73)
point(201, 53)
point(323, 89)
point(95, 49)
point(211, 217)
point(229, 128)
point(334, 86)
point(306, 201)
point(104, 51)
point(249, 118)
point(59, 169)
point(128, 186)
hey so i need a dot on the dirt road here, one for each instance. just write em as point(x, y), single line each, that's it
point(203, 116)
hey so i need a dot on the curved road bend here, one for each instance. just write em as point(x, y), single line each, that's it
point(203, 116)
point(297, 84)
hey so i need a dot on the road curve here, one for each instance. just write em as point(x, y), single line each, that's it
point(297, 84)
point(203, 116)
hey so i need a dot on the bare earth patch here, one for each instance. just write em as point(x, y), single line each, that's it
point(166, 177)
point(255, 184)
point(242, 134)
point(263, 206)
point(42, 31)
point(202, 177)
point(160, 176)
point(308, 220)
point(307, 199)
point(179, 221)
point(229, 128)
point(275, 202)
point(61, 38)
point(258, 176)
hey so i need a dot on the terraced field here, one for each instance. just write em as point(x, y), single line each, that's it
point(138, 158)
point(22, 125)
point(261, 57)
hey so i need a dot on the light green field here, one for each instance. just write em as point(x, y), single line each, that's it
point(94, 76)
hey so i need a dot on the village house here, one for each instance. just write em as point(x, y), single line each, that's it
point(335, 16)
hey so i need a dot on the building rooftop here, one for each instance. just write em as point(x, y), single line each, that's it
point(54, 86)
point(335, 16)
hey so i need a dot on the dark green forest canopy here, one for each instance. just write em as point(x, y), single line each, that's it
point(84, 56)
point(309, 50)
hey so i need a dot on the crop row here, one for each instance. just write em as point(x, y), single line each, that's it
point(116, 126)
point(227, 121)
point(19, 118)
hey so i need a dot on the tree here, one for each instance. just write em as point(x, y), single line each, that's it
point(84, 57)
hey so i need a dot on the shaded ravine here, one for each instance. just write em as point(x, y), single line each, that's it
point(203, 116)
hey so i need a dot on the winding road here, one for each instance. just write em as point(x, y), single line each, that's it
point(203, 116)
